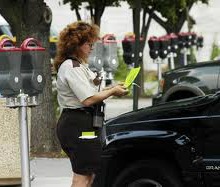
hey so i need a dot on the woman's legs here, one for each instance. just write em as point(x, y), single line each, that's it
point(82, 180)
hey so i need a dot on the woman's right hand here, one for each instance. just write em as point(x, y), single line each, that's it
point(120, 90)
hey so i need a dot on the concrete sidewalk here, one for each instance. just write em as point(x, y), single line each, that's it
point(51, 172)
point(57, 172)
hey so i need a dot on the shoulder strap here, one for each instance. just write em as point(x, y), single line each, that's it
point(75, 61)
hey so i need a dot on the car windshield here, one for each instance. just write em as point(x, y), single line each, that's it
point(53, 31)
point(5, 29)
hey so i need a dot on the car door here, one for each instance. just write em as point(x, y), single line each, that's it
point(209, 142)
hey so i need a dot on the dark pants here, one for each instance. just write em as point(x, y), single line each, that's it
point(84, 154)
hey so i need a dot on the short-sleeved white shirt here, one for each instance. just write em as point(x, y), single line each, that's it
point(74, 84)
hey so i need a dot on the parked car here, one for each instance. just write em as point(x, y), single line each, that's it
point(173, 144)
point(5, 28)
point(189, 81)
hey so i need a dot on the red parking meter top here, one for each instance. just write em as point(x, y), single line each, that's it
point(7, 44)
point(163, 38)
point(183, 34)
point(200, 38)
point(193, 33)
point(172, 35)
point(31, 44)
point(154, 38)
point(129, 37)
point(109, 38)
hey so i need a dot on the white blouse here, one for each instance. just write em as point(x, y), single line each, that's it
point(74, 84)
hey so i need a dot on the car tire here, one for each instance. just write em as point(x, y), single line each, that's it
point(151, 173)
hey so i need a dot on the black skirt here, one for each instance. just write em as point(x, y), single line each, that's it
point(84, 152)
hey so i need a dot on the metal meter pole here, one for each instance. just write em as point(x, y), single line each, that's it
point(24, 141)
point(185, 56)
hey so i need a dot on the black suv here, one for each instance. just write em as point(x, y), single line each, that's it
point(189, 81)
point(173, 144)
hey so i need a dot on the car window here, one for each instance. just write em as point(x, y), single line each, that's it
point(53, 31)
point(5, 29)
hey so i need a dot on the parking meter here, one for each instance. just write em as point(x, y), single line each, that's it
point(188, 40)
point(182, 39)
point(183, 45)
point(158, 50)
point(110, 55)
point(194, 38)
point(174, 46)
point(128, 45)
point(32, 60)
point(174, 42)
point(200, 41)
point(10, 61)
point(154, 46)
point(164, 43)
point(96, 57)
point(168, 42)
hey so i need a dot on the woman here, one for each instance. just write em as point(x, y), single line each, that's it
point(77, 88)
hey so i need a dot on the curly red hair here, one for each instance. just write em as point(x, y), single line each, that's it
point(71, 38)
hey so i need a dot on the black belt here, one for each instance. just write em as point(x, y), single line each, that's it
point(82, 109)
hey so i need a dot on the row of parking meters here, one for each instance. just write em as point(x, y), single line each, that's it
point(21, 68)
point(161, 47)
point(104, 56)
point(21, 81)
point(168, 46)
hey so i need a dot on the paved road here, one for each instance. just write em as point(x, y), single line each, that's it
point(114, 107)
point(57, 172)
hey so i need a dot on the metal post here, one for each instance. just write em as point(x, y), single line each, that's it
point(103, 77)
point(137, 50)
point(159, 74)
point(24, 141)
point(185, 56)
point(172, 66)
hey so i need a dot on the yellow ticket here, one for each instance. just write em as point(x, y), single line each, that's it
point(131, 76)
point(91, 133)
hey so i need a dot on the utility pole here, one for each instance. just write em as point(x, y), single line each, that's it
point(136, 90)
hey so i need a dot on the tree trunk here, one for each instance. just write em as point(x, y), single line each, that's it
point(98, 14)
point(78, 14)
point(33, 19)
point(144, 31)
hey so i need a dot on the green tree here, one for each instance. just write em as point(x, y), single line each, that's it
point(33, 19)
point(170, 14)
point(95, 7)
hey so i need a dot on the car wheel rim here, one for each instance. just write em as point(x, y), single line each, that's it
point(145, 183)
